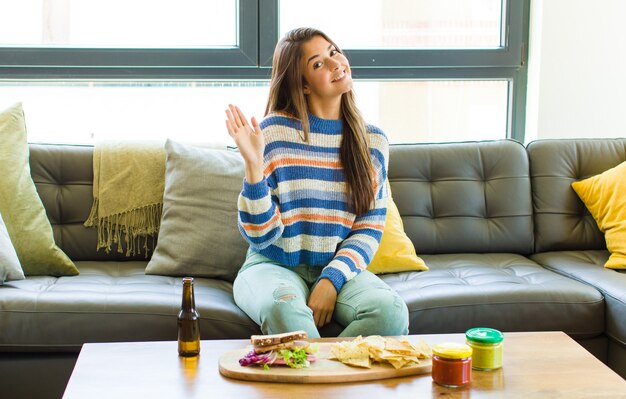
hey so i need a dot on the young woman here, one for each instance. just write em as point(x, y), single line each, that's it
point(313, 203)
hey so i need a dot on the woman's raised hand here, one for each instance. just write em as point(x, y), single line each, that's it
point(249, 139)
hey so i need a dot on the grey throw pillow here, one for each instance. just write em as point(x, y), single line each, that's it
point(199, 235)
point(10, 268)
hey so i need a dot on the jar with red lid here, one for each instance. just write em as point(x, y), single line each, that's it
point(452, 364)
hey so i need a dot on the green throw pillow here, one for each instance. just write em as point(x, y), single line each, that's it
point(21, 208)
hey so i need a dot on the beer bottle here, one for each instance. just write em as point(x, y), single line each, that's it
point(188, 328)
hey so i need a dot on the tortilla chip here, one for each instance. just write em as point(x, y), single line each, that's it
point(351, 353)
point(396, 346)
point(422, 348)
point(397, 363)
point(375, 342)
point(358, 362)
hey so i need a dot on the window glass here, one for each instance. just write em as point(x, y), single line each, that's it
point(436, 111)
point(119, 23)
point(356, 24)
point(86, 112)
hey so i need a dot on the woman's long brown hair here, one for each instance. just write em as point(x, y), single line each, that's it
point(287, 97)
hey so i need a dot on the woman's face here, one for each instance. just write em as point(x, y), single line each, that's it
point(327, 72)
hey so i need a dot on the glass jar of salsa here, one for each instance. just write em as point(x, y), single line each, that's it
point(452, 364)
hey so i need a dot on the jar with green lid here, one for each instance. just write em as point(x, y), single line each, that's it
point(487, 348)
point(452, 364)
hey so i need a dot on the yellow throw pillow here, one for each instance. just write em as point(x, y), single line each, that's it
point(396, 252)
point(604, 195)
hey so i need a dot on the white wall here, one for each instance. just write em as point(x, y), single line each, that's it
point(577, 69)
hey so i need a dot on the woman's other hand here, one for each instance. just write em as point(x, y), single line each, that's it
point(322, 302)
point(249, 140)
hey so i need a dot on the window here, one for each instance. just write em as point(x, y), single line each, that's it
point(141, 39)
point(436, 111)
point(85, 112)
point(102, 24)
point(408, 24)
point(424, 70)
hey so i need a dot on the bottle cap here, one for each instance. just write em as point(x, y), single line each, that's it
point(484, 335)
point(187, 280)
point(452, 350)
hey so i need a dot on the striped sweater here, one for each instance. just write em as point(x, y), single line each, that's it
point(299, 214)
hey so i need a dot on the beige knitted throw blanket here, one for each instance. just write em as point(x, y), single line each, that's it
point(128, 184)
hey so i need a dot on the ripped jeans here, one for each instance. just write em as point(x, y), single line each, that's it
point(275, 297)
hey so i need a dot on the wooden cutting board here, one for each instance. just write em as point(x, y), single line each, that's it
point(322, 370)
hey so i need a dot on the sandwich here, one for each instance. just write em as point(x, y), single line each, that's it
point(287, 349)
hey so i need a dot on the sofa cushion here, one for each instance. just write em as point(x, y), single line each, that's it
point(604, 195)
point(22, 210)
point(110, 302)
point(587, 267)
point(504, 291)
point(562, 222)
point(199, 234)
point(463, 197)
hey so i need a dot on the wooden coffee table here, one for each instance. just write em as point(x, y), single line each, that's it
point(536, 365)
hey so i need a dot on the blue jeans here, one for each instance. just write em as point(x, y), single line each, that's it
point(275, 297)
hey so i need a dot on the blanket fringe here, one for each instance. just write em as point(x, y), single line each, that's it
point(92, 219)
point(132, 225)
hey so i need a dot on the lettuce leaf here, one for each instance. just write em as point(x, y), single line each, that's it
point(296, 359)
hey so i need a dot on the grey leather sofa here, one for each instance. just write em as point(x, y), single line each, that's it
point(508, 243)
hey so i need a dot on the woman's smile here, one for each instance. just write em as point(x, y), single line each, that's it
point(339, 77)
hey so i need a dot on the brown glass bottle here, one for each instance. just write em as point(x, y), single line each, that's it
point(188, 328)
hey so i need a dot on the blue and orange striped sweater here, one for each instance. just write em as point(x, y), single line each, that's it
point(299, 213)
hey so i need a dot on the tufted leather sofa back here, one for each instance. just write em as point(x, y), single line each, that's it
point(453, 197)
point(464, 197)
point(562, 221)
point(63, 175)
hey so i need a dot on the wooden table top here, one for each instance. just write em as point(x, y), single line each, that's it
point(536, 365)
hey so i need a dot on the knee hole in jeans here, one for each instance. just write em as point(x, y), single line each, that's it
point(284, 294)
